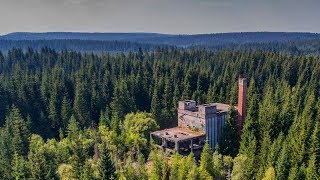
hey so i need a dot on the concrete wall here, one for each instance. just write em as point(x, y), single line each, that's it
point(214, 128)
point(203, 118)
point(191, 120)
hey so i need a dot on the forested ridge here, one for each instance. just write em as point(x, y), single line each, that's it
point(89, 46)
point(297, 46)
point(180, 40)
point(73, 115)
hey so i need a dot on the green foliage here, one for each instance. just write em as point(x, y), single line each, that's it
point(270, 174)
point(68, 90)
point(241, 164)
point(17, 128)
point(66, 112)
point(312, 169)
point(174, 171)
point(282, 166)
point(122, 102)
point(229, 143)
point(39, 166)
point(20, 169)
point(106, 168)
point(206, 160)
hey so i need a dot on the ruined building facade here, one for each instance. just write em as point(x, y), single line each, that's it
point(196, 124)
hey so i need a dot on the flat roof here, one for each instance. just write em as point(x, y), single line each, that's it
point(177, 134)
point(222, 107)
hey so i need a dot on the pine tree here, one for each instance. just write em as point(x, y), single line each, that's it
point(53, 115)
point(37, 160)
point(187, 87)
point(206, 161)
point(283, 165)
point(156, 107)
point(312, 169)
point(270, 174)
point(19, 132)
point(122, 102)
point(20, 168)
point(294, 172)
point(88, 173)
point(81, 107)
point(174, 171)
point(167, 104)
point(315, 144)
point(229, 143)
point(66, 112)
point(165, 169)
point(217, 164)
point(73, 128)
point(263, 154)
point(156, 172)
point(193, 173)
point(106, 168)
point(186, 166)
point(141, 169)
point(240, 168)
point(78, 158)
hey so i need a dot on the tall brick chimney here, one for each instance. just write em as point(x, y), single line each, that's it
point(242, 95)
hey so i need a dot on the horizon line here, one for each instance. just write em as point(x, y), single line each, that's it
point(141, 32)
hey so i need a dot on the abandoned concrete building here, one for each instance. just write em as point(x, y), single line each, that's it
point(196, 124)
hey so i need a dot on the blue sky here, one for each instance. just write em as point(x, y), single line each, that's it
point(164, 16)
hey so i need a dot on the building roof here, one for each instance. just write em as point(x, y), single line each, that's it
point(177, 134)
point(222, 107)
point(219, 106)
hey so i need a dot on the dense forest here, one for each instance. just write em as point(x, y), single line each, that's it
point(180, 40)
point(297, 47)
point(98, 43)
point(90, 46)
point(75, 115)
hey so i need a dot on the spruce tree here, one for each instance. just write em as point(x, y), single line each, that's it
point(17, 128)
point(156, 107)
point(229, 144)
point(78, 158)
point(206, 160)
point(174, 171)
point(283, 165)
point(66, 112)
point(20, 169)
point(312, 171)
point(53, 112)
point(105, 166)
point(37, 158)
point(80, 106)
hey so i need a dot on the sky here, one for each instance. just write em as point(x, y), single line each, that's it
point(162, 16)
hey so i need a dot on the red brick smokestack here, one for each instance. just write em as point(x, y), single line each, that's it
point(242, 95)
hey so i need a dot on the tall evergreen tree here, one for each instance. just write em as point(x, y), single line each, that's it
point(229, 143)
point(106, 167)
point(65, 113)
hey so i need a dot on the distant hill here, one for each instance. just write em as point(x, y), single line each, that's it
point(82, 36)
point(79, 45)
point(218, 39)
point(297, 43)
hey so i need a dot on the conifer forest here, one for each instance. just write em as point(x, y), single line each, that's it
point(68, 114)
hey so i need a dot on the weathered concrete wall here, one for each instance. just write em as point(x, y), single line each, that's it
point(191, 120)
point(206, 118)
point(214, 128)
